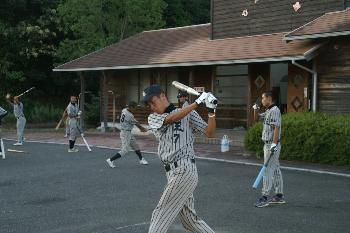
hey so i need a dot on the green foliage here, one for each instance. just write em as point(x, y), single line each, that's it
point(39, 113)
point(313, 137)
point(92, 111)
point(94, 24)
point(186, 12)
point(252, 140)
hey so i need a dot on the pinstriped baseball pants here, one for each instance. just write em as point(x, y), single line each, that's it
point(273, 175)
point(177, 199)
point(21, 123)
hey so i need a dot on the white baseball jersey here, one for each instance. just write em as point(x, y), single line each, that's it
point(18, 110)
point(2, 111)
point(127, 120)
point(72, 110)
point(272, 118)
point(176, 145)
point(176, 139)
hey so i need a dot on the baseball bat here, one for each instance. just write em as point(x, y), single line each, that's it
point(59, 124)
point(3, 149)
point(261, 173)
point(16, 151)
point(183, 87)
point(190, 90)
point(82, 136)
point(30, 89)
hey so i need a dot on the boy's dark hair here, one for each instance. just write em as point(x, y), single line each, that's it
point(268, 94)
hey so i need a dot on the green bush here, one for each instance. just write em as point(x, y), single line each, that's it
point(313, 137)
point(92, 111)
point(35, 113)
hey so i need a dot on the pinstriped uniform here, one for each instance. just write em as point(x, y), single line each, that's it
point(127, 122)
point(72, 110)
point(176, 145)
point(273, 175)
point(21, 120)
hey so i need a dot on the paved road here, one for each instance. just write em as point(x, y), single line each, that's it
point(52, 191)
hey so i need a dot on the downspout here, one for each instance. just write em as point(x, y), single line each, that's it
point(314, 79)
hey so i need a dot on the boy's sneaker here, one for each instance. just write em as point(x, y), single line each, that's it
point(110, 163)
point(262, 202)
point(277, 200)
point(18, 144)
point(143, 161)
point(73, 150)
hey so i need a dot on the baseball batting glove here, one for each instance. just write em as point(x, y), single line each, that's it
point(211, 103)
point(273, 147)
point(201, 99)
point(256, 107)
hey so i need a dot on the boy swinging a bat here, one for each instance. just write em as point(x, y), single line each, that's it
point(272, 147)
point(21, 120)
point(174, 128)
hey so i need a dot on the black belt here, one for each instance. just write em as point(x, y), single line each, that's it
point(175, 165)
point(270, 142)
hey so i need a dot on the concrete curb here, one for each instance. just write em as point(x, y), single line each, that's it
point(239, 162)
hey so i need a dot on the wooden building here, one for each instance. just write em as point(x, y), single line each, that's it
point(303, 56)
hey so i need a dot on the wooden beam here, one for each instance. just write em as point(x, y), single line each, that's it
point(105, 102)
point(82, 101)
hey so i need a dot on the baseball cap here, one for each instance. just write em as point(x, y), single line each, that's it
point(132, 104)
point(151, 91)
point(182, 94)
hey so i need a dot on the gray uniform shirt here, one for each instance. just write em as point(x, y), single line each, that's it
point(72, 110)
point(18, 110)
point(176, 139)
point(272, 118)
point(127, 120)
point(2, 111)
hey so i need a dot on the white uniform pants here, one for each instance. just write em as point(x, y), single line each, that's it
point(128, 142)
point(21, 123)
point(73, 129)
point(273, 175)
point(177, 199)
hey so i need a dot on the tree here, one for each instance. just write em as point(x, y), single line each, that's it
point(94, 24)
point(186, 12)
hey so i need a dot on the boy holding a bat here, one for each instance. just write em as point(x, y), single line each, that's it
point(174, 128)
point(73, 115)
point(21, 120)
point(271, 137)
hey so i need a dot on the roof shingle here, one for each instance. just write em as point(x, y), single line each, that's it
point(330, 24)
point(187, 46)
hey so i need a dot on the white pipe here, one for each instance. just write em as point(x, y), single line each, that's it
point(314, 79)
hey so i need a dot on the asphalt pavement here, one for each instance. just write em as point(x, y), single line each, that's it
point(50, 190)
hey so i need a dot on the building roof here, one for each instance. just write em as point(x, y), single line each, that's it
point(189, 46)
point(328, 25)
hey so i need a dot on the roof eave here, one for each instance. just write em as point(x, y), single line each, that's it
point(194, 63)
point(316, 35)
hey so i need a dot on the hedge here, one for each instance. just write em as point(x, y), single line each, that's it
point(313, 137)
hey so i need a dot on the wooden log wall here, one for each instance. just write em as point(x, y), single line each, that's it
point(333, 66)
point(267, 16)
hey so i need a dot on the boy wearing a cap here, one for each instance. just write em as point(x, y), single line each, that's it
point(174, 128)
point(127, 122)
point(182, 98)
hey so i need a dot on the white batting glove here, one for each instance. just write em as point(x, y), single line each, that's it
point(256, 107)
point(211, 102)
point(273, 147)
point(79, 113)
point(201, 99)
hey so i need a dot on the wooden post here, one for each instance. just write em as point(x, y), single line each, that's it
point(138, 86)
point(82, 101)
point(191, 82)
point(105, 102)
